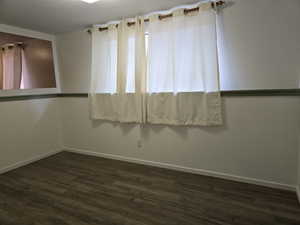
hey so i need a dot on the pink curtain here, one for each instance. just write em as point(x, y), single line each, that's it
point(1, 69)
point(12, 67)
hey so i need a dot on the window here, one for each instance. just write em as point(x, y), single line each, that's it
point(168, 75)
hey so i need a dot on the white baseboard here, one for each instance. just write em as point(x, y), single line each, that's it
point(298, 192)
point(187, 169)
point(26, 162)
point(161, 165)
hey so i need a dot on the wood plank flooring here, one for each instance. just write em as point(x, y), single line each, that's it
point(72, 189)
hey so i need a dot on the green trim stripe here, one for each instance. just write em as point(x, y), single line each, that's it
point(235, 93)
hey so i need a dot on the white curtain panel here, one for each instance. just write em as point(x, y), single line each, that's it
point(118, 73)
point(1, 68)
point(182, 70)
point(12, 67)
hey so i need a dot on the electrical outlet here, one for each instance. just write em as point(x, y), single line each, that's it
point(139, 143)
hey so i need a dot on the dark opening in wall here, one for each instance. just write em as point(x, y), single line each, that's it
point(25, 63)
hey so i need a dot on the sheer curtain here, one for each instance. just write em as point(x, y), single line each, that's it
point(12, 67)
point(182, 78)
point(178, 84)
point(118, 73)
point(1, 68)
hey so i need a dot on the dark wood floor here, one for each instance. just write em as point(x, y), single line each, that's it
point(71, 189)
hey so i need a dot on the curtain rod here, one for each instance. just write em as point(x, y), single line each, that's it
point(186, 11)
point(12, 45)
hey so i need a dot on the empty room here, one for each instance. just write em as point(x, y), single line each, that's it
point(149, 112)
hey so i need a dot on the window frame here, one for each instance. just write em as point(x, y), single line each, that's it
point(43, 36)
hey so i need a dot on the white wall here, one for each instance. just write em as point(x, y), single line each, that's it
point(28, 129)
point(298, 177)
point(74, 51)
point(259, 139)
point(260, 44)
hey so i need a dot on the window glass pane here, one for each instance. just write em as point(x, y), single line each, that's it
point(104, 62)
point(130, 76)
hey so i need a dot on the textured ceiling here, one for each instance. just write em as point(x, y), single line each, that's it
point(58, 16)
